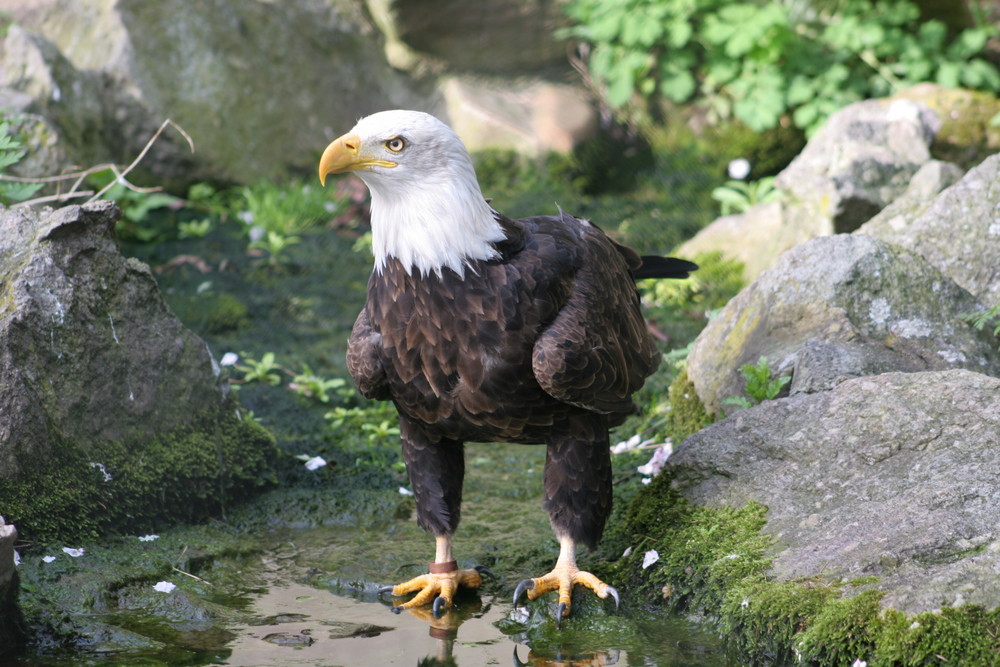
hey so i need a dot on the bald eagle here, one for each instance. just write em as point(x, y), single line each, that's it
point(481, 328)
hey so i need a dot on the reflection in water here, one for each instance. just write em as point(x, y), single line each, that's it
point(588, 659)
point(585, 659)
point(445, 631)
point(359, 631)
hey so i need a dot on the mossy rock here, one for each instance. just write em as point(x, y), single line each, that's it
point(188, 474)
point(714, 561)
point(113, 415)
point(687, 413)
point(967, 135)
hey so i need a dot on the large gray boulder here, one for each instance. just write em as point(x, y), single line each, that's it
point(862, 159)
point(895, 476)
point(958, 232)
point(839, 307)
point(112, 414)
point(501, 37)
point(260, 87)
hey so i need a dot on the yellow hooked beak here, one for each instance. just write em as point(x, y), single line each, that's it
point(344, 155)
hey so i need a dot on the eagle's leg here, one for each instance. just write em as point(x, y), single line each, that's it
point(436, 471)
point(578, 498)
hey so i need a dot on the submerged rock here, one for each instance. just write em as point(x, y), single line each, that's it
point(839, 307)
point(895, 477)
point(112, 414)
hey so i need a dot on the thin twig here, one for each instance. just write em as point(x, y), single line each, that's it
point(142, 154)
point(78, 176)
point(59, 197)
point(188, 574)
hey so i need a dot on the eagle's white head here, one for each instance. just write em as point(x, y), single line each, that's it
point(427, 209)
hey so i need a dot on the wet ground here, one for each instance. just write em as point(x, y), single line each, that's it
point(293, 579)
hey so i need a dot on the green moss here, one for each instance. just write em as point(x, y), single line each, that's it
point(714, 561)
point(965, 635)
point(186, 474)
point(842, 631)
point(687, 413)
point(702, 551)
point(210, 313)
point(762, 618)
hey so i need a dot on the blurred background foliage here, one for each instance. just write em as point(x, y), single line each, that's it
point(759, 62)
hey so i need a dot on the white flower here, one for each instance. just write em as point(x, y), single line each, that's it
point(859, 663)
point(149, 538)
point(75, 553)
point(164, 586)
point(627, 552)
point(246, 217)
point(626, 445)
point(229, 359)
point(739, 168)
point(104, 472)
point(17, 558)
point(315, 463)
point(403, 491)
point(659, 459)
point(48, 559)
point(649, 558)
point(646, 480)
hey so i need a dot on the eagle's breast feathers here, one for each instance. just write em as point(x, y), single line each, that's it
point(502, 351)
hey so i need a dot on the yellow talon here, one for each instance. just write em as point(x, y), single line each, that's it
point(439, 588)
point(562, 578)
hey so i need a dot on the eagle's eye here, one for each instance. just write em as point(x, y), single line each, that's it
point(396, 144)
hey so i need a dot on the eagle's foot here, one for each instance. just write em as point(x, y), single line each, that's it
point(437, 587)
point(562, 578)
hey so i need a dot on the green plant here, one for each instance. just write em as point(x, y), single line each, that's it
point(274, 244)
point(989, 316)
point(266, 370)
point(760, 385)
point(312, 386)
point(11, 152)
point(738, 196)
point(276, 215)
point(137, 205)
point(194, 229)
point(286, 209)
point(759, 61)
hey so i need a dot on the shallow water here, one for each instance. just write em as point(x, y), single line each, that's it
point(320, 628)
point(293, 580)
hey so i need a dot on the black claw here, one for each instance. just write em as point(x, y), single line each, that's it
point(517, 659)
point(385, 589)
point(397, 610)
point(559, 615)
point(613, 592)
point(436, 608)
point(525, 585)
point(482, 569)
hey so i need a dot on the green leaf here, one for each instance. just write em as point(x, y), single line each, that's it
point(949, 75)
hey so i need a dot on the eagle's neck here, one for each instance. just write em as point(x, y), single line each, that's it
point(430, 225)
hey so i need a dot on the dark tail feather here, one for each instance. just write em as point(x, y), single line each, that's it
point(654, 266)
